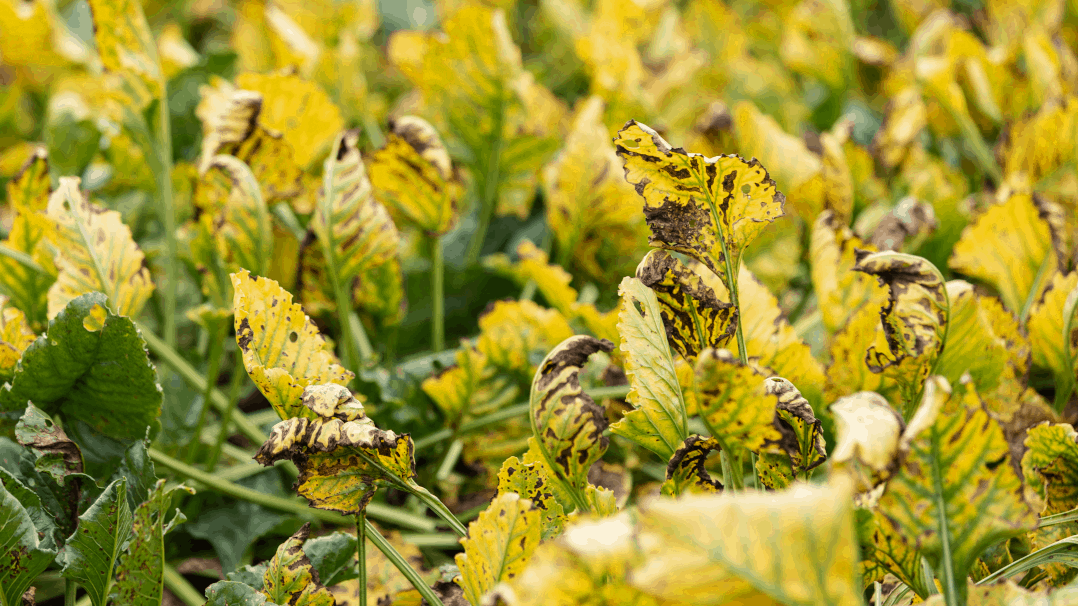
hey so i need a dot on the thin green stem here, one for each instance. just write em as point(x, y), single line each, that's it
point(172, 358)
point(437, 287)
point(435, 505)
point(181, 588)
point(363, 344)
point(361, 557)
point(70, 587)
point(1035, 289)
point(390, 515)
point(168, 213)
point(951, 586)
point(238, 374)
point(216, 349)
point(402, 565)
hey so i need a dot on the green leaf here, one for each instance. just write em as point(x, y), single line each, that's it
point(54, 508)
point(333, 557)
point(693, 316)
point(530, 481)
point(234, 593)
point(956, 492)
point(290, 578)
point(342, 457)
point(43, 519)
point(90, 366)
point(233, 525)
point(90, 555)
point(685, 473)
point(567, 425)
point(140, 572)
point(55, 453)
point(707, 208)
point(499, 544)
point(658, 420)
point(21, 555)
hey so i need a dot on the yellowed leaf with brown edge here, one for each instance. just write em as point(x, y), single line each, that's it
point(914, 317)
point(1050, 318)
point(657, 421)
point(867, 433)
point(281, 347)
point(840, 290)
point(94, 250)
point(693, 317)
point(513, 333)
point(1050, 467)
point(707, 208)
point(567, 425)
point(290, 578)
point(529, 480)
point(299, 109)
point(127, 50)
point(734, 404)
point(414, 176)
point(1014, 247)
point(343, 458)
point(686, 472)
point(597, 224)
point(801, 432)
point(499, 544)
point(231, 126)
point(28, 194)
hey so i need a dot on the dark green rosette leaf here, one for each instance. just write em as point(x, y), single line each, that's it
point(333, 557)
point(90, 367)
point(89, 558)
point(22, 557)
point(234, 593)
point(140, 573)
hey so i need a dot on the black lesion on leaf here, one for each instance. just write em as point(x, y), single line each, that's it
point(689, 462)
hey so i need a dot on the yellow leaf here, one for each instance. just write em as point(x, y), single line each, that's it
point(1050, 466)
point(816, 40)
point(685, 473)
point(282, 348)
point(464, 386)
point(28, 194)
point(983, 339)
point(801, 432)
point(127, 49)
point(297, 108)
point(413, 175)
point(236, 214)
point(693, 317)
point(849, 370)
point(734, 404)
point(513, 333)
point(290, 578)
point(867, 432)
point(1014, 247)
point(1009, 593)
point(37, 41)
point(530, 481)
point(499, 544)
point(840, 291)
point(175, 53)
point(94, 251)
point(15, 337)
point(657, 421)
point(1051, 329)
point(707, 208)
point(906, 116)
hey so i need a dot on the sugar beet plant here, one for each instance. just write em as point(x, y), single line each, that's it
point(842, 371)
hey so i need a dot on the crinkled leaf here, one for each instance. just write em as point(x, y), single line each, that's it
point(91, 366)
point(299, 109)
point(657, 421)
point(21, 555)
point(567, 426)
point(840, 291)
point(290, 578)
point(685, 473)
point(1050, 467)
point(693, 316)
point(802, 433)
point(1009, 247)
point(707, 208)
point(734, 404)
point(55, 453)
point(956, 491)
point(414, 177)
point(28, 194)
point(140, 572)
point(498, 545)
point(282, 348)
point(94, 252)
point(90, 555)
point(530, 481)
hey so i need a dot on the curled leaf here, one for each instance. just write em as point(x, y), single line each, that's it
point(802, 433)
point(867, 432)
point(56, 454)
point(685, 473)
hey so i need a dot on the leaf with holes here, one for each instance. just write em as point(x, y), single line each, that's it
point(530, 481)
point(89, 557)
point(140, 572)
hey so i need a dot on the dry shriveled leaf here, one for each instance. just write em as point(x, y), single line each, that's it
point(867, 433)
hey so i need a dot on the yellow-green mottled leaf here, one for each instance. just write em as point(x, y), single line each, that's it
point(236, 214)
point(94, 251)
point(1013, 248)
point(734, 404)
point(685, 473)
point(602, 502)
point(867, 432)
point(657, 421)
point(458, 388)
point(1050, 467)
point(15, 337)
point(28, 194)
point(299, 109)
point(498, 545)
point(567, 425)
point(693, 316)
point(282, 348)
point(849, 370)
point(840, 291)
point(291, 579)
point(127, 49)
point(692, 557)
point(514, 333)
point(1050, 319)
point(983, 339)
point(414, 177)
point(802, 434)
point(956, 492)
point(707, 208)
point(886, 549)
point(914, 316)
point(530, 481)
point(342, 456)
point(1009, 593)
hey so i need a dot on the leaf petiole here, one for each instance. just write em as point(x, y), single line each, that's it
point(361, 558)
